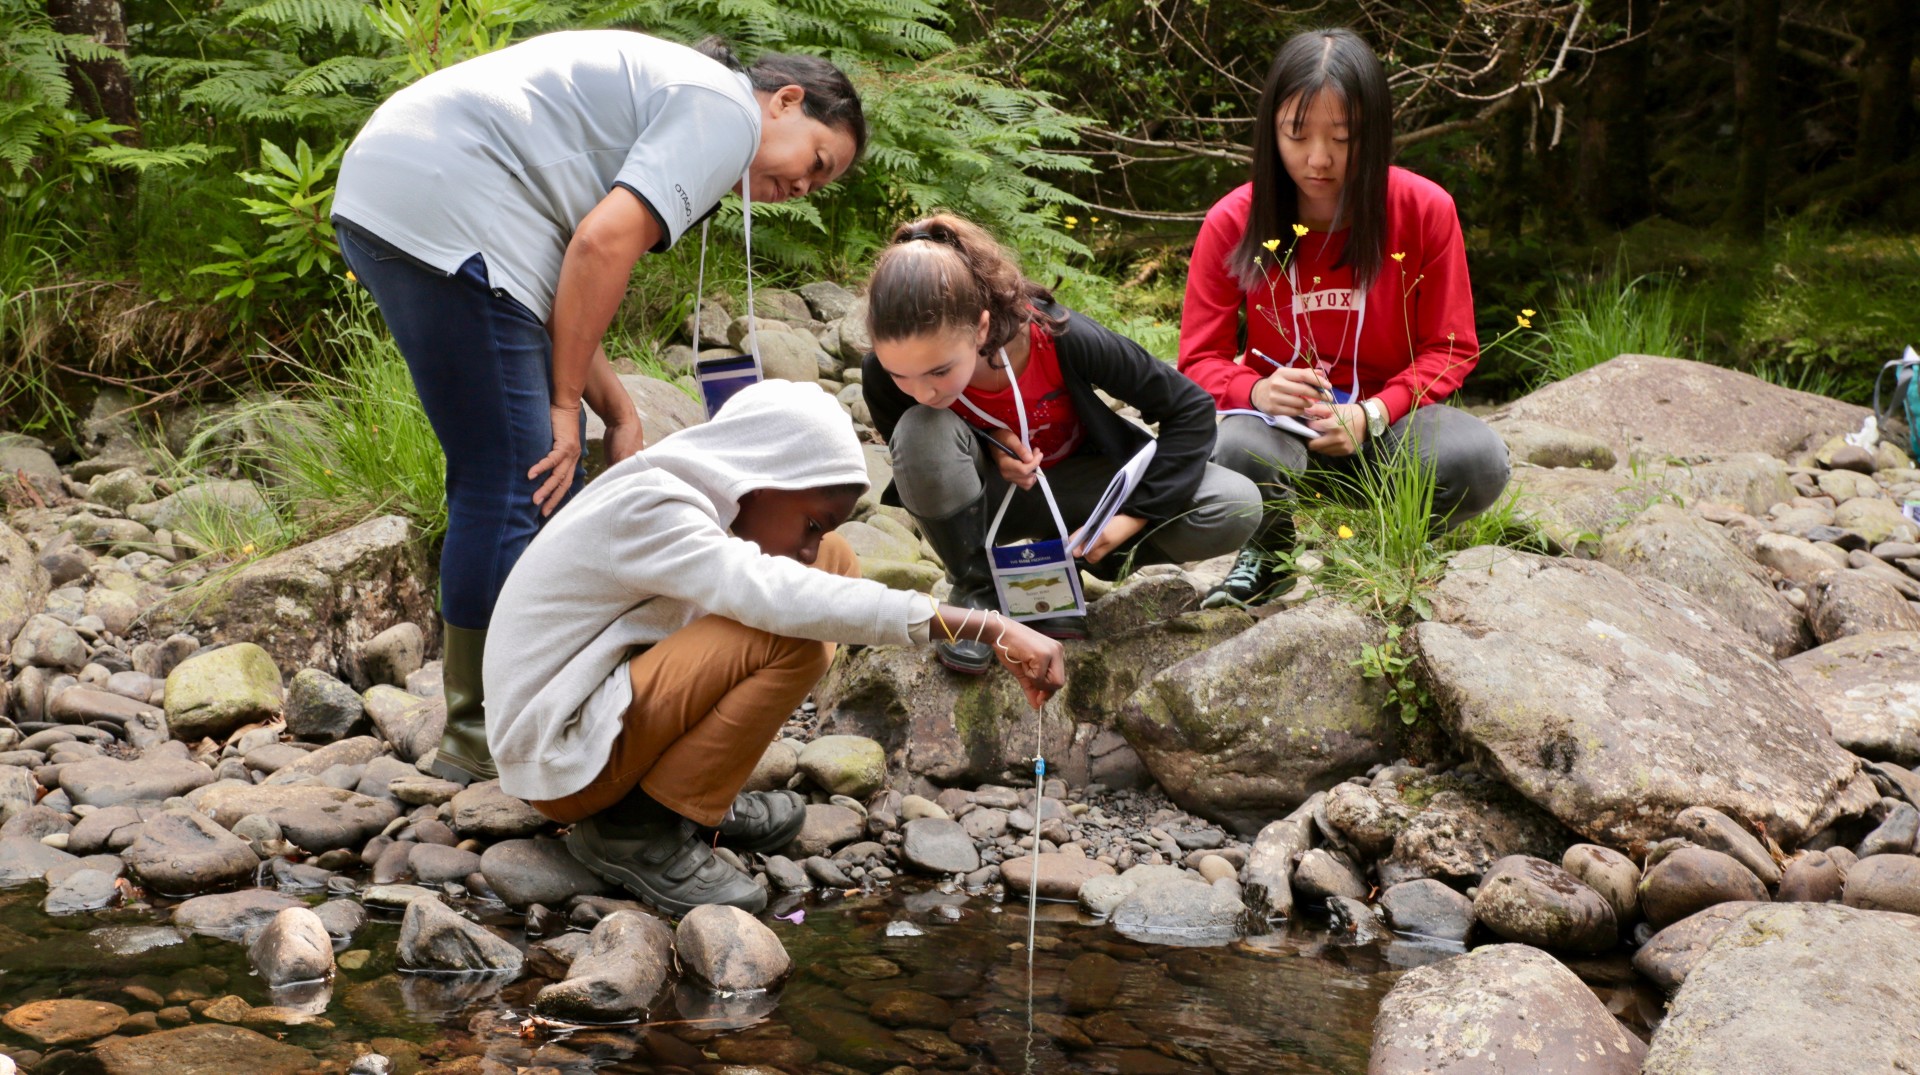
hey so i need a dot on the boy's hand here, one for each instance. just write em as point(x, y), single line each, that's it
point(1038, 662)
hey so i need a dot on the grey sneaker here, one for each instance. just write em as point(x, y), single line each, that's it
point(1254, 578)
point(666, 863)
point(761, 821)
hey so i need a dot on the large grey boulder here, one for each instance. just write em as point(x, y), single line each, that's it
point(525, 872)
point(217, 690)
point(1575, 508)
point(184, 854)
point(1537, 444)
point(1505, 1008)
point(112, 782)
point(434, 937)
point(295, 947)
point(1534, 902)
point(1656, 407)
point(964, 730)
point(728, 950)
point(186, 509)
point(1802, 987)
point(1679, 547)
point(309, 606)
point(1181, 912)
point(624, 963)
point(1253, 726)
point(1461, 827)
point(1614, 703)
point(1845, 603)
point(23, 583)
point(313, 817)
point(1669, 956)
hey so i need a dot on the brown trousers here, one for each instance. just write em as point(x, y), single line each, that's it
point(707, 700)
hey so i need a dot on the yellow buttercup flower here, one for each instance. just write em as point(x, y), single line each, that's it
point(1271, 245)
point(1401, 256)
point(1345, 531)
point(1071, 221)
point(247, 548)
point(1300, 230)
point(1526, 313)
point(350, 275)
point(1524, 323)
point(1093, 220)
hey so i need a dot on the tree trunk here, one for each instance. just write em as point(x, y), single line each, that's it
point(1755, 75)
point(101, 88)
point(1616, 152)
point(1886, 87)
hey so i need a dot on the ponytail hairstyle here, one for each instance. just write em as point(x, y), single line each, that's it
point(830, 98)
point(1332, 61)
point(939, 272)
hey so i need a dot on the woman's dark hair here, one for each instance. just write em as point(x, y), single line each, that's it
point(1333, 61)
point(830, 98)
point(939, 272)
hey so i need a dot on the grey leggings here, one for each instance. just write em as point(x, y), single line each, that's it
point(1469, 460)
point(940, 468)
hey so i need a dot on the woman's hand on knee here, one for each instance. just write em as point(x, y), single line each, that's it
point(1038, 662)
point(560, 462)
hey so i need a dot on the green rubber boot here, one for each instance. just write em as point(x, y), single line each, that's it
point(463, 757)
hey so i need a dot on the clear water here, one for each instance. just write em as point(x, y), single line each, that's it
point(1289, 1001)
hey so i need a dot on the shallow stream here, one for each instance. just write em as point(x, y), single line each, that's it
point(948, 972)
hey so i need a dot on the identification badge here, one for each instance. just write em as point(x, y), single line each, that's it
point(1037, 580)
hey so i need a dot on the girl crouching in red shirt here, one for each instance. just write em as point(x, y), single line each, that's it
point(955, 324)
point(1351, 277)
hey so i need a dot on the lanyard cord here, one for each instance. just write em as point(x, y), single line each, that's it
point(1026, 442)
point(700, 278)
point(1360, 323)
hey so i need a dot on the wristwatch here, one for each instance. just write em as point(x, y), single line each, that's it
point(1376, 416)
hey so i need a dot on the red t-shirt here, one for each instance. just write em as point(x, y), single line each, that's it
point(1416, 345)
point(1052, 424)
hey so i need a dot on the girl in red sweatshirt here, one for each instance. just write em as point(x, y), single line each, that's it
point(1351, 276)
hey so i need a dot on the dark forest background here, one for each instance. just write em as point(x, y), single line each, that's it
point(1731, 180)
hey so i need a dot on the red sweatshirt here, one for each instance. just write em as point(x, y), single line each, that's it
point(1416, 342)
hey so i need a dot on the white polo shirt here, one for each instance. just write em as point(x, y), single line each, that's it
point(504, 154)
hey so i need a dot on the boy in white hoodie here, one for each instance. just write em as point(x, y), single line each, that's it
point(662, 626)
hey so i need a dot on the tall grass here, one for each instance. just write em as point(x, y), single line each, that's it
point(35, 297)
point(1368, 536)
point(348, 442)
point(1591, 322)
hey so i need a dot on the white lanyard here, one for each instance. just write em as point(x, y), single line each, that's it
point(1360, 322)
point(700, 279)
point(1020, 410)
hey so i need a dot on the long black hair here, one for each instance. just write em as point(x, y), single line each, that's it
point(831, 98)
point(1333, 61)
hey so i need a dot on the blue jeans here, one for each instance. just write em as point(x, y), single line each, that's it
point(481, 362)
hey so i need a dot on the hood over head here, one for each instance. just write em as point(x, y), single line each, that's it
point(770, 435)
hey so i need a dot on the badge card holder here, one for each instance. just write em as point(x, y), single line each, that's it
point(722, 376)
point(1035, 580)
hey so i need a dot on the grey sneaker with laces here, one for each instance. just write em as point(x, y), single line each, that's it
point(1254, 578)
point(667, 863)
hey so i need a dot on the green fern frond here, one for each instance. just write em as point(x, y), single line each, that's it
point(183, 155)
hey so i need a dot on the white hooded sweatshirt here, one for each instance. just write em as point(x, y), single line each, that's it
point(646, 549)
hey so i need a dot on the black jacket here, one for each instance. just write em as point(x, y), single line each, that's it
point(1092, 356)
